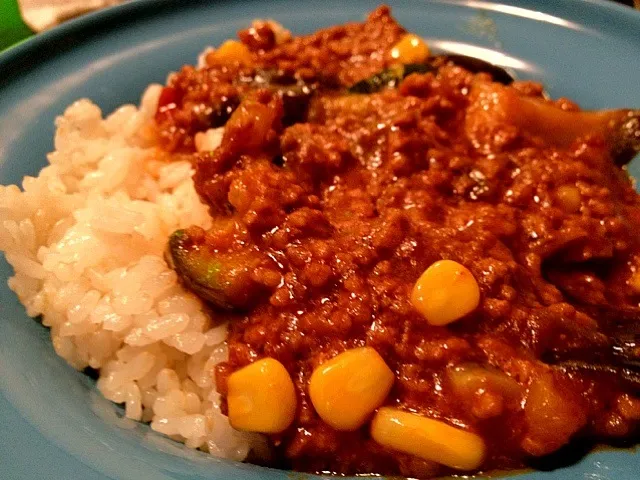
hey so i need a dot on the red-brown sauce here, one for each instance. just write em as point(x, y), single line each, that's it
point(345, 208)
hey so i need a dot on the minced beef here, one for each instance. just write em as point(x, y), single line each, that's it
point(348, 206)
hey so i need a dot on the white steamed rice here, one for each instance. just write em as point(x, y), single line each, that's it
point(86, 240)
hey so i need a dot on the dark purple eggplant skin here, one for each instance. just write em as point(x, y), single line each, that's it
point(476, 65)
point(392, 76)
point(625, 140)
point(223, 279)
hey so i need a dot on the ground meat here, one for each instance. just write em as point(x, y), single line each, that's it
point(356, 200)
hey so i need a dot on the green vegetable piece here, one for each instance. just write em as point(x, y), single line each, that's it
point(389, 78)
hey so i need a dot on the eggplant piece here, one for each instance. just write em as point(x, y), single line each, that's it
point(618, 357)
point(295, 94)
point(620, 128)
point(625, 142)
point(389, 78)
point(222, 278)
point(620, 350)
point(221, 112)
point(628, 374)
point(620, 360)
point(295, 102)
point(494, 104)
point(392, 76)
point(476, 65)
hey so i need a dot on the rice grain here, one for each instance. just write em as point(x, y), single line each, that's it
point(86, 239)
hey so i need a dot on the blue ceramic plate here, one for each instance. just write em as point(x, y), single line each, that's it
point(54, 424)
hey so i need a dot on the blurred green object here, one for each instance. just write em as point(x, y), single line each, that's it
point(12, 28)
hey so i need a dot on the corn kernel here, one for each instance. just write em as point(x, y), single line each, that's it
point(428, 439)
point(409, 49)
point(232, 51)
point(349, 387)
point(634, 281)
point(569, 198)
point(445, 292)
point(261, 397)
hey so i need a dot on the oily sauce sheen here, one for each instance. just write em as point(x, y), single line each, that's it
point(342, 201)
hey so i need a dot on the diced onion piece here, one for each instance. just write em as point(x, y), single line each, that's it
point(468, 379)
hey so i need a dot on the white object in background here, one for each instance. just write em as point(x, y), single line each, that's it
point(40, 15)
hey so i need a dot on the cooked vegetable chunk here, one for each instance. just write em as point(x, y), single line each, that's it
point(389, 78)
point(261, 397)
point(349, 387)
point(445, 292)
point(427, 438)
point(223, 278)
point(494, 104)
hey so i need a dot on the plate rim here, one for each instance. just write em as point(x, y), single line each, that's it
point(135, 8)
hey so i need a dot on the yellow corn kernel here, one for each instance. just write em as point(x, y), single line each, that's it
point(261, 397)
point(233, 51)
point(634, 281)
point(428, 439)
point(445, 292)
point(409, 49)
point(569, 198)
point(349, 387)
